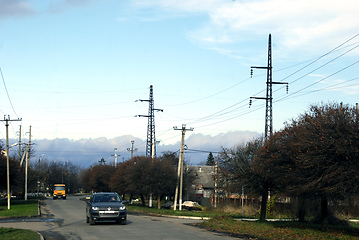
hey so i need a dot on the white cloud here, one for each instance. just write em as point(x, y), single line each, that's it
point(14, 8)
point(85, 152)
point(303, 24)
point(64, 5)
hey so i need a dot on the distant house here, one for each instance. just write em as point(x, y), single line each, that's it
point(204, 183)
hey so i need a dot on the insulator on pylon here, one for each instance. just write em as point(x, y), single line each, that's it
point(250, 102)
point(251, 73)
point(287, 88)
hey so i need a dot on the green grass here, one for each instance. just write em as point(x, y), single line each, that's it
point(20, 234)
point(279, 230)
point(225, 222)
point(19, 208)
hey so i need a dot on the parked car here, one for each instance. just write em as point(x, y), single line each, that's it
point(105, 206)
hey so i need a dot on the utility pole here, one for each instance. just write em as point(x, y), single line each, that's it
point(115, 157)
point(268, 129)
point(151, 139)
point(180, 168)
point(29, 146)
point(20, 143)
point(132, 149)
point(215, 183)
point(102, 161)
point(26, 168)
point(7, 120)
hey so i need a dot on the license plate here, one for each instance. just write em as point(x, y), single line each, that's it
point(107, 212)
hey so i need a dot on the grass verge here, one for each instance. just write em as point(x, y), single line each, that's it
point(225, 222)
point(278, 230)
point(20, 234)
point(19, 208)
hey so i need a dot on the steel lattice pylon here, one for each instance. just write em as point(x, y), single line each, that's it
point(269, 113)
point(268, 128)
point(151, 139)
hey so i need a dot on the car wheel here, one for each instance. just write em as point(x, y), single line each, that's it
point(123, 222)
point(92, 222)
point(87, 219)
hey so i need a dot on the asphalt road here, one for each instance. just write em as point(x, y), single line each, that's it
point(65, 219)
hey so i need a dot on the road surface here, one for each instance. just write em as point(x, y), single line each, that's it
point(65, 219)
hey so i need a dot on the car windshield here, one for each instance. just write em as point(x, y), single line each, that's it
point(106, 198)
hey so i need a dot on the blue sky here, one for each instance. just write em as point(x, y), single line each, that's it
point(74, 68)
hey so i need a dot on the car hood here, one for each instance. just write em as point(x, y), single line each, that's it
point(107, 204)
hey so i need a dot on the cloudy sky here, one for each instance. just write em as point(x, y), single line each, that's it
point(73, 69)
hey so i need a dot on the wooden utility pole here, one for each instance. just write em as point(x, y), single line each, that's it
point(180, 168)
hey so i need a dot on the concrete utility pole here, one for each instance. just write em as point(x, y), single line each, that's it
point(26, 167)
point(29, 146)
point(115, 157)
point(268, 129)
point(132, 149)
point(7, 120)
point(180, 168)
point(102, 161)
point(20, 143)
point(151, 139)
point(215, 183)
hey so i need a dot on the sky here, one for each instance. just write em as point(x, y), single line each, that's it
point(73, 69)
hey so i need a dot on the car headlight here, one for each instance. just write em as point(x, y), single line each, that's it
point(95, 208)
point(123, 208)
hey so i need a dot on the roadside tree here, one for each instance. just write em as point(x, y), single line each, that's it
point(239, 168)
point(316, 155)
point(143, 176)
point(97, 178)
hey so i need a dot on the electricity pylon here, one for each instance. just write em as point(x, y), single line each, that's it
point(268, 128)
point(151, 139)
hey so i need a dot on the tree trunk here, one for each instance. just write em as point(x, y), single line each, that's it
point(324, 211)
point(143, 200)
point(264, 206)
point(131, 197)
point(159, 201)
point(301, 208)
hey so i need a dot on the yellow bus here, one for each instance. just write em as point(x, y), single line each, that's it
point(59, 191)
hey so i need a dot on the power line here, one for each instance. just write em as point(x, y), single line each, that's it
point(230, 110)
point(320, 80)
point(8, 96)
point(320, 57)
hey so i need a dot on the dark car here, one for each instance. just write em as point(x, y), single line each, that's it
point(105, 206)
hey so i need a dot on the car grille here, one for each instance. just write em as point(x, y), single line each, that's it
point(108, 212)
